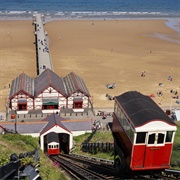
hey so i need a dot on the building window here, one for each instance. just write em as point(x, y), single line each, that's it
point(22, 107)
point(77, 105)
point(50, 107)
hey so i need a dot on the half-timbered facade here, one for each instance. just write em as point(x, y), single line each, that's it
point(49, 92)
point(22, 93)
point(77, 92)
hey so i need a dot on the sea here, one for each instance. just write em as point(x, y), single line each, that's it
point(78, 9)
point(91, 9)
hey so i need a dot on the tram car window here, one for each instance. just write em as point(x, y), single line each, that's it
point(141, 137)
point(169, 135)
point(53, 143)
point(143, 133)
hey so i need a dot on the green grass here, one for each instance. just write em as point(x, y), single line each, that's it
point(175, 159)
point(107, 137)
point(99, 136)
point(14, 143)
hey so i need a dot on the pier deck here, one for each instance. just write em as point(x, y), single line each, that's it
point(42, 48)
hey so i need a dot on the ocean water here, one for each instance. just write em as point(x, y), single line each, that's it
point(90, 9)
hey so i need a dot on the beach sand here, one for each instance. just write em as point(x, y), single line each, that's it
point(100, 52)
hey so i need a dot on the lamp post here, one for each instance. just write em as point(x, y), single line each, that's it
point(15, 123)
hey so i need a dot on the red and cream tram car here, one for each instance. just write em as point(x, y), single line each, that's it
point(53, 143)
point(143, 133)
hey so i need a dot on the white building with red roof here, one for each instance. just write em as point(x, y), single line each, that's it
point(65, 128)
point(48, 93)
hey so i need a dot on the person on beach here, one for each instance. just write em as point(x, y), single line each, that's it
point(143, 74)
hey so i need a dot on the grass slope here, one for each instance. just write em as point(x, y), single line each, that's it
point(15, 143)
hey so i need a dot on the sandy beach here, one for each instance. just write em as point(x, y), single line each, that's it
point(101, 52)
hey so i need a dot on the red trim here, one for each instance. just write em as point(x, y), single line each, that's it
point(21, 91)
point(50, 85)
point(54, 126)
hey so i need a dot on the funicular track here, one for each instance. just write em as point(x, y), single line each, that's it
point(83, 167)
point(80, 168)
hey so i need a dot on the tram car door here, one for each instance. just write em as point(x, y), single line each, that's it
point(157, 152)
point(53, 143)
point(152, 150)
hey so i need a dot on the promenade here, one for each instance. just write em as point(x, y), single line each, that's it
point(43, 57)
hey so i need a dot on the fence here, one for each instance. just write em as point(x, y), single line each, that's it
point(97, 147)
point(62, 113)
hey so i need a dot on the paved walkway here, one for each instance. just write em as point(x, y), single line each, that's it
point(43, 53)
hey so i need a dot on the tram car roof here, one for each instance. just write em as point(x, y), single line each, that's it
point(52, 137)
point(141, 109)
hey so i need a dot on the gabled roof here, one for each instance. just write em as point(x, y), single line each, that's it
point(24, 127)
point(48, 78)
point(75, 83)
point(48, 123)
point(53, 120)
point(141, 109)
point(23, 83)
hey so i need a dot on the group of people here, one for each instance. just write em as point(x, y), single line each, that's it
point(175, 92)
point(104, 114)
point(160, 93)
point(43, 43)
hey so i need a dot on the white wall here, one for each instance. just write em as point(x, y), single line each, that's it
point(57, 129)
point(77, 133)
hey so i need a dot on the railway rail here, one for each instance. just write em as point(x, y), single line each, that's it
point(84, 167)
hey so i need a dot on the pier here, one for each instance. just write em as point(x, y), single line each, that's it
point(43, 57)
